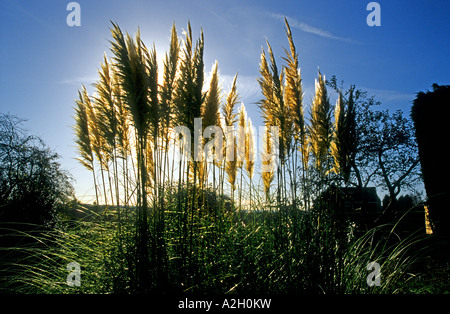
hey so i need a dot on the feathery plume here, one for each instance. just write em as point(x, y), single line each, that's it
point(250, 148)
point(267, 171)
point(106, 109)
point(274, 110)
point(321, 126)
point(82, 134)
point(169, 83)
point(231, 168)
point(242, 125)
point(230, 118)
point(228, 107)
point(210, 109)
point(189, 95)
point(293, 91)
point(123, 130)
point(131, 67)
point(266, 84)
point(343, 146)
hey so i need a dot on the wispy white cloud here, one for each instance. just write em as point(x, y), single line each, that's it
point(390, 96)
point(86, 80)
point(312, 29)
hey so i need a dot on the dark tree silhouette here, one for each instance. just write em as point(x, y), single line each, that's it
point(388, 144)
point(431, 125)
point(32, 185)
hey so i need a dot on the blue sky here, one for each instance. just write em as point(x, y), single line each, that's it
point(44, 61)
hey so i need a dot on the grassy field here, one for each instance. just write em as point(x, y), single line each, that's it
point(222, 251)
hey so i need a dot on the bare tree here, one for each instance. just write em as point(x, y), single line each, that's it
point(388, 144)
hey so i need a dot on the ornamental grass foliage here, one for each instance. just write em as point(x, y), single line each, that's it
point(235, 212)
